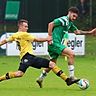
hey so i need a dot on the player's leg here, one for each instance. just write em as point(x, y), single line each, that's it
point(46, 70)
point(41, 62)
point(54, 68)
point(43, 74)
point(11, 75)
point(63, 49)
point(61, 74)
point(22, 68)
point(70, 55)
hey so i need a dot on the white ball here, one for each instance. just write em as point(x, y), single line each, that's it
point(83, 84)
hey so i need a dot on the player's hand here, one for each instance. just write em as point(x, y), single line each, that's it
point(93, 31)
point(49, 39)
point(50, 42)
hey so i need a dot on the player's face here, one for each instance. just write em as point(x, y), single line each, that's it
point(24, 27)
point(73, 16)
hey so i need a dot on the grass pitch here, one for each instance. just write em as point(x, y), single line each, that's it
point(85, 67)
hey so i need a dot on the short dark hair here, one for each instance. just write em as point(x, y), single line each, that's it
point(74, 10)
point(21, 21)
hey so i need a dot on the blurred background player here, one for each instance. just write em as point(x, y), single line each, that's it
point(57, 29)
point(24, 42)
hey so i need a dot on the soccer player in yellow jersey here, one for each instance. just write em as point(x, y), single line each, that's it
point(24, 41)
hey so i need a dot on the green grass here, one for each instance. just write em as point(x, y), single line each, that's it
point(85, 67)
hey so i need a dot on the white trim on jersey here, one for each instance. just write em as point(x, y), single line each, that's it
point(66, 20)
point(61, 21)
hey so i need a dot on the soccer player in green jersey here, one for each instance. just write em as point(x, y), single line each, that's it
point(28, 59)
point(57, 29)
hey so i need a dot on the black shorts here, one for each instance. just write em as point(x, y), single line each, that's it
point(33, 61)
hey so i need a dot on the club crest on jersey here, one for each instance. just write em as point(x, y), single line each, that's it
point(25, 60)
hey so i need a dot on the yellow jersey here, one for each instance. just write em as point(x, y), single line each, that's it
point(24, 42)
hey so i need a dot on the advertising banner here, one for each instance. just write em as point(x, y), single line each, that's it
point(76, 43)
point(39, 48)
point(3, 47)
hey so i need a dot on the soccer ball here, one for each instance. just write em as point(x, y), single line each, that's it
point(83, 84)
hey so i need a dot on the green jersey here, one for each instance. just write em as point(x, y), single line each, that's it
point(66, 36)
point(62, 26)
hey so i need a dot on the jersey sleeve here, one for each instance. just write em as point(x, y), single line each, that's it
point(29, 37)
point(61, 21)
point(73, 27)
point(57, 22)
point(11, 38)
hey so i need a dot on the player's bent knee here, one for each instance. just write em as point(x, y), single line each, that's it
point(51, 64)
point(72, 55)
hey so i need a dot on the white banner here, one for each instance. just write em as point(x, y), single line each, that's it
point(39, 48)
point(76, 43)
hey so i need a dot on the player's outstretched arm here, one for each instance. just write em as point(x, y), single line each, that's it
point(3, 42)
point(92, 32)
point(48, 38)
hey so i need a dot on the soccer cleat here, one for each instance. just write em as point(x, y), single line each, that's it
point(70, 81)
point(74, 78)
point(39, 81)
